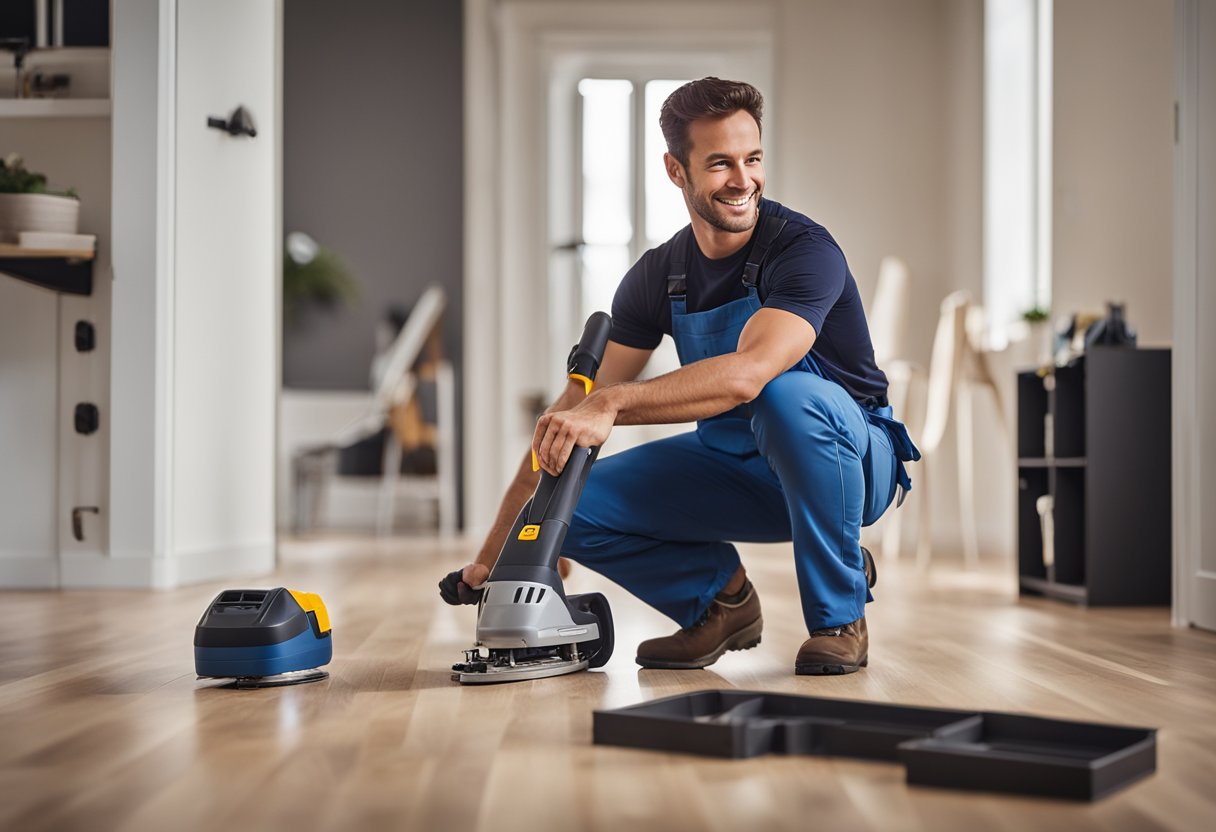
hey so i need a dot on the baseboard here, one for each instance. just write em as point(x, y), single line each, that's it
point(93, 571)
point(29, 573)
point(221, 563)
point(224, 563)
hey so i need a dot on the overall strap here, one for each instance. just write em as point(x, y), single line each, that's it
point(769, 232)
point(677, 280)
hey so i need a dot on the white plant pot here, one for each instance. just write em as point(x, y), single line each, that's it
point(37, 212)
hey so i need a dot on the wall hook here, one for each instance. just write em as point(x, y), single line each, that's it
point(240, 123)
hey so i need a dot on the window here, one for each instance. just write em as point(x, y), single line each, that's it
point(1017, 159)
point(619, 161)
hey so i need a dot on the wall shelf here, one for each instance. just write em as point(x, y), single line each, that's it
point(55, 107)
point(66, 271)
point(1052, 462)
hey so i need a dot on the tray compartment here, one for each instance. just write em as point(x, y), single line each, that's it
point(1033, 755)
point(747, 723)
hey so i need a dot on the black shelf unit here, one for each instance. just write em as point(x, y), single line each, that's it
point(1096, 436)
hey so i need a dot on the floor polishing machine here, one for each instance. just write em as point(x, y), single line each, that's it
point(527, 627)
point(261, 638)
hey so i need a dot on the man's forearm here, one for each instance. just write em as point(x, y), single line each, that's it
point(520, 489)
point(695, 391)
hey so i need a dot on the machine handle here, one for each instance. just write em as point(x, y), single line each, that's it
point(586, 355)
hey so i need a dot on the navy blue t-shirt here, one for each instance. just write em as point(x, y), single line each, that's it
point(805, 274)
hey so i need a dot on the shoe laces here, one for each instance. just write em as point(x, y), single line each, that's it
point(827, 631)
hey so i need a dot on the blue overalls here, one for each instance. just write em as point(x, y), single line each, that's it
point(801, 462)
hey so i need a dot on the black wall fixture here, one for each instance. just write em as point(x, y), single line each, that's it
point(86, 337)
point(240, 123)
point(87, 418)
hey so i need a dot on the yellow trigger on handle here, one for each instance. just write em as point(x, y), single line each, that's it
point(587, 383)
point(535, 463)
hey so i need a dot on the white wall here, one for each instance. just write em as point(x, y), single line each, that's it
point(1113, 149)
point(880, 138)
point(28, 434)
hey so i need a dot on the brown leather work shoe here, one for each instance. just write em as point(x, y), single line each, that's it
point(724, 626)
point(834, 650)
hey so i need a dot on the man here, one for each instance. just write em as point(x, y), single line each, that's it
point(794, 440)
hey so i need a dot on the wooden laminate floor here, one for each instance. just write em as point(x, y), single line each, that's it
point(104, 726)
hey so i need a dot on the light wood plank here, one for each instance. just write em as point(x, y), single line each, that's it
point(13, 250)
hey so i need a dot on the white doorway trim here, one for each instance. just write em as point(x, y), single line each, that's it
point(1194, 480)
point(510, 47)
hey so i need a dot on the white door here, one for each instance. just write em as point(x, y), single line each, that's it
point(1194, 312)
point(225, 288)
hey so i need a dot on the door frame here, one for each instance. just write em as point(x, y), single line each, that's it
point(1189, 409)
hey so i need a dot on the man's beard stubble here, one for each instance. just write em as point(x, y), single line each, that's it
point(705, 208)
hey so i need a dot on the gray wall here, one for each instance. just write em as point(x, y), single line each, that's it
point(372, 168)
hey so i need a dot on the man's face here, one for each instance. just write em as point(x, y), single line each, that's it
point(725, 175)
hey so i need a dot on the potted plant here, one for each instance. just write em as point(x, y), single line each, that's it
point(1038, 320)
point(313, 275)
point(26, 204)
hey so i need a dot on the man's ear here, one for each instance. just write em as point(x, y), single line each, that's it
point(675, 171)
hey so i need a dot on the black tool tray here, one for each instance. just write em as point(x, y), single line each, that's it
point(955, 749)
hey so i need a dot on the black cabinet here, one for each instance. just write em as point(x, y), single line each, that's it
point(1095, 436)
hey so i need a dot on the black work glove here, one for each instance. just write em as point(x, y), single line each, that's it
point(455, 591)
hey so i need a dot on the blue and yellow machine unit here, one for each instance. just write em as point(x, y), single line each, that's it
point(264, 638)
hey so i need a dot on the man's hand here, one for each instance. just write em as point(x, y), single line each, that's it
point(586, 425)
point(464, 585)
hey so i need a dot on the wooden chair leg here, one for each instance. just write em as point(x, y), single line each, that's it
point(924, 530)
point(445, 457)
point(892, 534)
point(964, 428)
point(386, 507)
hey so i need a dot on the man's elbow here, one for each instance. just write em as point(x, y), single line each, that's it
point(749, 379)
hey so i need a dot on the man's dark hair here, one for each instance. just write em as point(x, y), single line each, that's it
point(707, 98)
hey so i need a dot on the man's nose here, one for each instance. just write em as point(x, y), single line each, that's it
point(738, 176)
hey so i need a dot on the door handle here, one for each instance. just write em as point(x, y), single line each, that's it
point(78, 519)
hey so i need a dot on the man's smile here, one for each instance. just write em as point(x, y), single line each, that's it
point(736, 202)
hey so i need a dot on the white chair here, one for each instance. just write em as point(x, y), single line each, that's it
point(956, 368)
point(888, 322)
point(888, 313)
point(314, 468)
point(887, 317)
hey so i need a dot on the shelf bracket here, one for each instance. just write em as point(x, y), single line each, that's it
point(69, 275)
